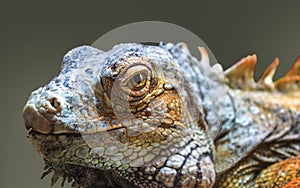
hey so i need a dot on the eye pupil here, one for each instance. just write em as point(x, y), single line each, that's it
point(137, 78)
point(138, 81)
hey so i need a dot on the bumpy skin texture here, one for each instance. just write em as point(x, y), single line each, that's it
point(154, 116)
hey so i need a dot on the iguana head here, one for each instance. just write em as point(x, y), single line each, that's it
point(123, 118)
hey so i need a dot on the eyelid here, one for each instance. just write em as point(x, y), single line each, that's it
point(131, 71)
point(135, 69)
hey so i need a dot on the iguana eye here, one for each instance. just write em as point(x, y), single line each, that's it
point(138, 81)
point(136, 78)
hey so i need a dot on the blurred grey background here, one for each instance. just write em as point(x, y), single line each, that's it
point(35, 36)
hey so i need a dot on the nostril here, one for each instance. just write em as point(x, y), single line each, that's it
point(54, 102)
point(54, 105)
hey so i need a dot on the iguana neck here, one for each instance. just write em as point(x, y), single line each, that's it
point(269, 122)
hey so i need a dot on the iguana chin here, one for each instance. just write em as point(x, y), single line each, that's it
point(154, 116)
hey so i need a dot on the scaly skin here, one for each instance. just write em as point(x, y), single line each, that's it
point(272, 112)
point(153, 116)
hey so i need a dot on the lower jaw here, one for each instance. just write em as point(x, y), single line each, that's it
point(80, 176)
point(85, 177)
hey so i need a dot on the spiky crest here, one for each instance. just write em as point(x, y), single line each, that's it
point(241, 76)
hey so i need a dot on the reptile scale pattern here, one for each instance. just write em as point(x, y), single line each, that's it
point(144, 115)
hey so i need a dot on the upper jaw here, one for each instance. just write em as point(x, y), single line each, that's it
point(37, 122)
point(42, 112)
point(47, 122)
point(49, 111)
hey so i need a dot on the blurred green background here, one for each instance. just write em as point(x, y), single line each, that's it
point(35, 36)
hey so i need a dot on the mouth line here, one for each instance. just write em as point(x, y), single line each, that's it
point(33, 131)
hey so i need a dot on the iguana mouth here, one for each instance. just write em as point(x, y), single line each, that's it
point(48, 123)
point(37, 122)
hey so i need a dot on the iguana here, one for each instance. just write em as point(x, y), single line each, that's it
point(142, 115)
